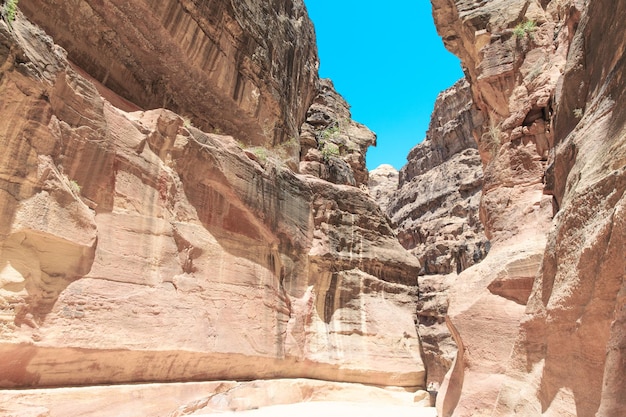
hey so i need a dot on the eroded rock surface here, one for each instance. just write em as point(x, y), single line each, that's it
point(247, 69)
point(137, 248)
point(434, 206)
point(382, 184)
point(549, 289)
point(333, 146)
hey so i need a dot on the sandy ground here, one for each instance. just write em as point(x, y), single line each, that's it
point(292, 398)
point(334, 409)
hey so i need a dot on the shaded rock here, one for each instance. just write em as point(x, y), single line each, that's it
point(248, 69)
point(437, 342)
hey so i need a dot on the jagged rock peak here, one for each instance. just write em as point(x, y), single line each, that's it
point(435, 207)
point(451, 129)
point(333, 146)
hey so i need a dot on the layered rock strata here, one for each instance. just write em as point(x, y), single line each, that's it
point(435, 207)
point(136, 248)
point(435, 210)
point(247, 69)
point(538, 321)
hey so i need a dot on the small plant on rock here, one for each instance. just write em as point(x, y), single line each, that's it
point(329, 150)
point(9, 10)
point(526, 28)
point(578, 113)
point(330, 132)
point(492, 137)
point(75, 187)
point(260, 153)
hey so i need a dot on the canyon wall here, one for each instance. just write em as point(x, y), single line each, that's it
point(434, 206)
point(182, 199)
point(246, 69)
point(136, 247)
point(539, 323)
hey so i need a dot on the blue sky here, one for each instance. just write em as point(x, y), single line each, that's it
point(388, 62)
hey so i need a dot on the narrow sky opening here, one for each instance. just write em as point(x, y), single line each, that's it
point(387, 61)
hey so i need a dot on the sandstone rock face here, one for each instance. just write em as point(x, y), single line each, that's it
point(436, 205)
point(248, 69)
point(435, 211)
point(137, 248)
point(333, 146)
point(539, 320)
point(573, 330)
point(382, 184)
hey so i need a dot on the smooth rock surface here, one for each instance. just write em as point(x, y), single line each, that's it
point(210, 398)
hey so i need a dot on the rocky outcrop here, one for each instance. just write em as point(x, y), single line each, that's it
point(135, 247)
point(539, 318)
point(382, 184)
point(333, 146)
point(247, 69)
point(434, 207)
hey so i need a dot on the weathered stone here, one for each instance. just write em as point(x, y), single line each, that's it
point(137, 248)
point(382, 184)
point(333, 146)
point(435, 211)
point(436, 205)
point(248, 69)
point(546, 97)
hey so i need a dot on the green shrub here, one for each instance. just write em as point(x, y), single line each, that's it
point(578, 113)
point(330, 132)
point(260, 153)
point(491, 138)
point(526, 28)
point(329, 150)
point(75, 187)
point(9, 10)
